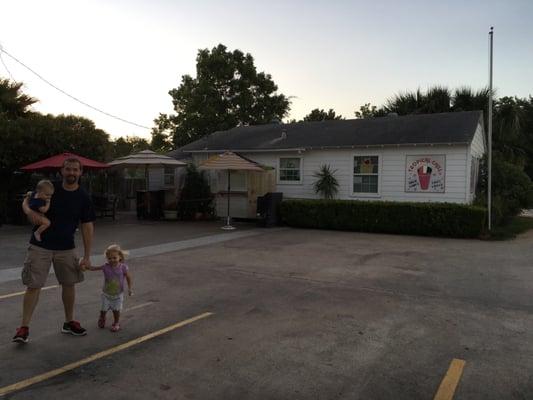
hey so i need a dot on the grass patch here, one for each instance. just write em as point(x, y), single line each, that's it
point(511, 229)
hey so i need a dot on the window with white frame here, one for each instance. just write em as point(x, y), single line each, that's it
point(168, 176)
point(290, 169)
point(366, 174)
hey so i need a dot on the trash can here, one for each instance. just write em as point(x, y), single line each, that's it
point(267, 209)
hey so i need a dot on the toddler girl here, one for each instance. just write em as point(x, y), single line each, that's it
point(115, 272)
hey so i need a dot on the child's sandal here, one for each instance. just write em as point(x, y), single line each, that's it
point(115, 327)
point(101, 322)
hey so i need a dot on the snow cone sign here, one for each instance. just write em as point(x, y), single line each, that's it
point(425, 174)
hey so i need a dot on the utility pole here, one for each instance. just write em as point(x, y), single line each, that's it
point(489, 200)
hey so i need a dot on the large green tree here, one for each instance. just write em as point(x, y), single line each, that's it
point(130, 144)
point(226, 92)
point(321, 115)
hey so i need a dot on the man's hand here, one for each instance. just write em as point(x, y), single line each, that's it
point(85, 263)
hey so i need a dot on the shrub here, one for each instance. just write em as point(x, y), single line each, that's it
point(431, 219)
point(512, 190)
point(195, 196)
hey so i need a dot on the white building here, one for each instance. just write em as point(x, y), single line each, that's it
point(424, 158)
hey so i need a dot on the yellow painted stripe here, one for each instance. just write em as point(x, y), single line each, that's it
point(138, 306)
point(451, 380)
point(5, 296)
point(40, 378)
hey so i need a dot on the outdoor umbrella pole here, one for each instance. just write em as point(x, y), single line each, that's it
point(228, 226)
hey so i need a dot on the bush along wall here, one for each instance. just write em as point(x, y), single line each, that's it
point(429, 219)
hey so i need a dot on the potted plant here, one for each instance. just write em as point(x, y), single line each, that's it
point(171, 210)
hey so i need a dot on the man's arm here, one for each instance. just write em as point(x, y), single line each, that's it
point(44, 209)
point(87, 232)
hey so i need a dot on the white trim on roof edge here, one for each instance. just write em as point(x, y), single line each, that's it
point(328, 147)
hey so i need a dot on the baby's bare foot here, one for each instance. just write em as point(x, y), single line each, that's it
point(37, 236)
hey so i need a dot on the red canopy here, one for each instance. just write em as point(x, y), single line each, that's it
point(56, 162)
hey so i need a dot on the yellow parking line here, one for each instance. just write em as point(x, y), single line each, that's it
point(451, 380)
point(5, 296)
point(138, 306)
point(40, 378)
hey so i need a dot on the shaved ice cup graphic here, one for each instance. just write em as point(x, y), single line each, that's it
point(424, 176)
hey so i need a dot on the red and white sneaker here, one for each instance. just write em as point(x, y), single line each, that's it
point(22, 335)
point(115, 327)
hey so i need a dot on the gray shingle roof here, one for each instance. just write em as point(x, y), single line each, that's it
point(444, 128)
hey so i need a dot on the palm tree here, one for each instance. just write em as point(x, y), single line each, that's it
point(509, 137)
point(326, 183)
point(405, 103)
point(13, 103)
point(437, 99)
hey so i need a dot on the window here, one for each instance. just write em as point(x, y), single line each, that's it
point(290, 170)
point(168, 176)
point(365, 174)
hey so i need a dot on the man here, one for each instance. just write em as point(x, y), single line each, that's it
point(69, 206)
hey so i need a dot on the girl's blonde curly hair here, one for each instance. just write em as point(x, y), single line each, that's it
point(115, 248)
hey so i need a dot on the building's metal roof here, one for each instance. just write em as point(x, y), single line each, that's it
point(418, 129)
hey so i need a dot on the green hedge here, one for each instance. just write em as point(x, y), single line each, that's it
point(430, 219)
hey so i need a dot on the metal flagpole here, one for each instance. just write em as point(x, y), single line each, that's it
point(489, 200)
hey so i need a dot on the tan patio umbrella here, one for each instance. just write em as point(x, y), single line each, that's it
point(230, 161)
point(144, 159)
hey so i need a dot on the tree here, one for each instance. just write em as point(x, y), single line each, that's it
point(369, 111)
point(13, 103)
point(161, 143)
point(226, 92)
point(437, 99)
point(131, 144)
point(321, 115)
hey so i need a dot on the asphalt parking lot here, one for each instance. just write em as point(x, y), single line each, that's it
point(294, 314)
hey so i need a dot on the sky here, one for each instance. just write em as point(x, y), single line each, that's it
point(124, 56)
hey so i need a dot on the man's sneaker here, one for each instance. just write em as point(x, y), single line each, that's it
point(73, 328)
point(22, 335)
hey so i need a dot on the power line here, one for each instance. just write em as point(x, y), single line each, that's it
point(5, 66)
point(67, 94)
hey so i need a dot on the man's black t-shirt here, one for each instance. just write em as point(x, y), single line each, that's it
point(67, 210)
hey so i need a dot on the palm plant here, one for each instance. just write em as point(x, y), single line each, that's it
point(13, 103)
point(326, 183)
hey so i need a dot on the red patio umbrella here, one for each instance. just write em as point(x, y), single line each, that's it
point(56, 162)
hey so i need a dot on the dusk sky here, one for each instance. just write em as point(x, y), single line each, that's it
point(124, 56)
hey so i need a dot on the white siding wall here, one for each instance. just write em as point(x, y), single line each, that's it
point(157, 178)
point(476, 149)
point(392, 173)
